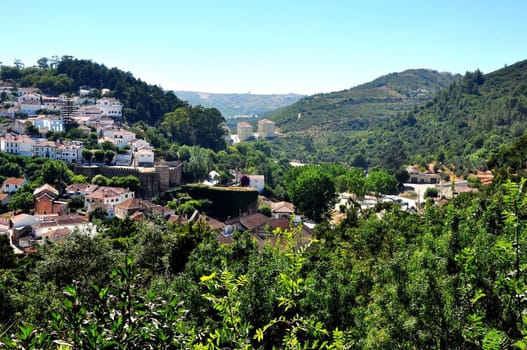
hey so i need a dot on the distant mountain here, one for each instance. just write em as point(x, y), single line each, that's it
point(231, 105)
point(358, 107)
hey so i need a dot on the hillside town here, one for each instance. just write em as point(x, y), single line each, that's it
point(31, 117)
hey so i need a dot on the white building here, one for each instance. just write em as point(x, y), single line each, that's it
point(110, 107)
point(144, 157)
point(17, 144)
point(255, 181)
point(46, 149)
point(71, 153)
point(124, 136)
point(12, 184)
point(51, 123)
point(107, 198)
point(266, 128)
point(137, 144)
point(244, 131)
point(30, 107)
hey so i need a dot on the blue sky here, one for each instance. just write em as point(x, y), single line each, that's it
point(301, 46)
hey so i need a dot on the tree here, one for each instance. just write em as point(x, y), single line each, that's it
point(21, 201)
point(198, 165)
point(100, 180)
point(109, 155)
point(99, 155)
point(245, 181)
point(7, 255)
point(196, 126)
point(10, 170)
point(356, 181)
point(130, 181)
point(312, 192)
point(57, 173)
point(381, 182)
point(431, 192)
point(87, 155)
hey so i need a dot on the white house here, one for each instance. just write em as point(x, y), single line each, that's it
point(71, 153)
point(107, 198)
point(123, 159)
point(110, 107)
point(30, 97)
point(144, 157)
point(46, 149)
point(29, 107)
point(137, 144)
point(419, 177)
point(12, 184)
point(122, 137)
point(17, 144)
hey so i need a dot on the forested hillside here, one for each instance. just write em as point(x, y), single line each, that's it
point(462, 125)
point(362, 106)
point(471, 118)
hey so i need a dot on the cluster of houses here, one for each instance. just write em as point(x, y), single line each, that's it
point(90, 114)
point(29, 101)
point(52, 219)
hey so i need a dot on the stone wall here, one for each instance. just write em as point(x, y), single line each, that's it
point(153, 180)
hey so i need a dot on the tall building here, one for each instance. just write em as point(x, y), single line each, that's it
point(266, 128)
point(244, 131)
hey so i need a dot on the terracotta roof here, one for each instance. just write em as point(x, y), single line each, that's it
point(283, 207)
point(57, 235)
point(46, 144)
point(177, 219)
point(266, 121)
point(14, 181)
point(132, 203)
point(283, 223)
point(3, 196)
point(80, 187)
point(105, 192)
point(63, 220)
point(252, 221)
point(213, 223)
point(46, 188)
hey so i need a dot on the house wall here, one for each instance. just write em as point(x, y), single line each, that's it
point(44, 206)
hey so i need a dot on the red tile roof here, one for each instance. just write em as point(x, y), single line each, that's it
point(14, 181)
point(252, 221)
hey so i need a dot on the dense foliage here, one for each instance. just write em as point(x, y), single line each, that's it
point(451, 277)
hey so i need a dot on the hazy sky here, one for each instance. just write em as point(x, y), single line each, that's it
point(268, 46)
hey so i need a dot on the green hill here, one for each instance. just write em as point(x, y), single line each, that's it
point(461, 121)
point(470, 119)
point(359, 107)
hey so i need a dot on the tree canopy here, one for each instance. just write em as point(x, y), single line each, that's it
point(311, 191)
